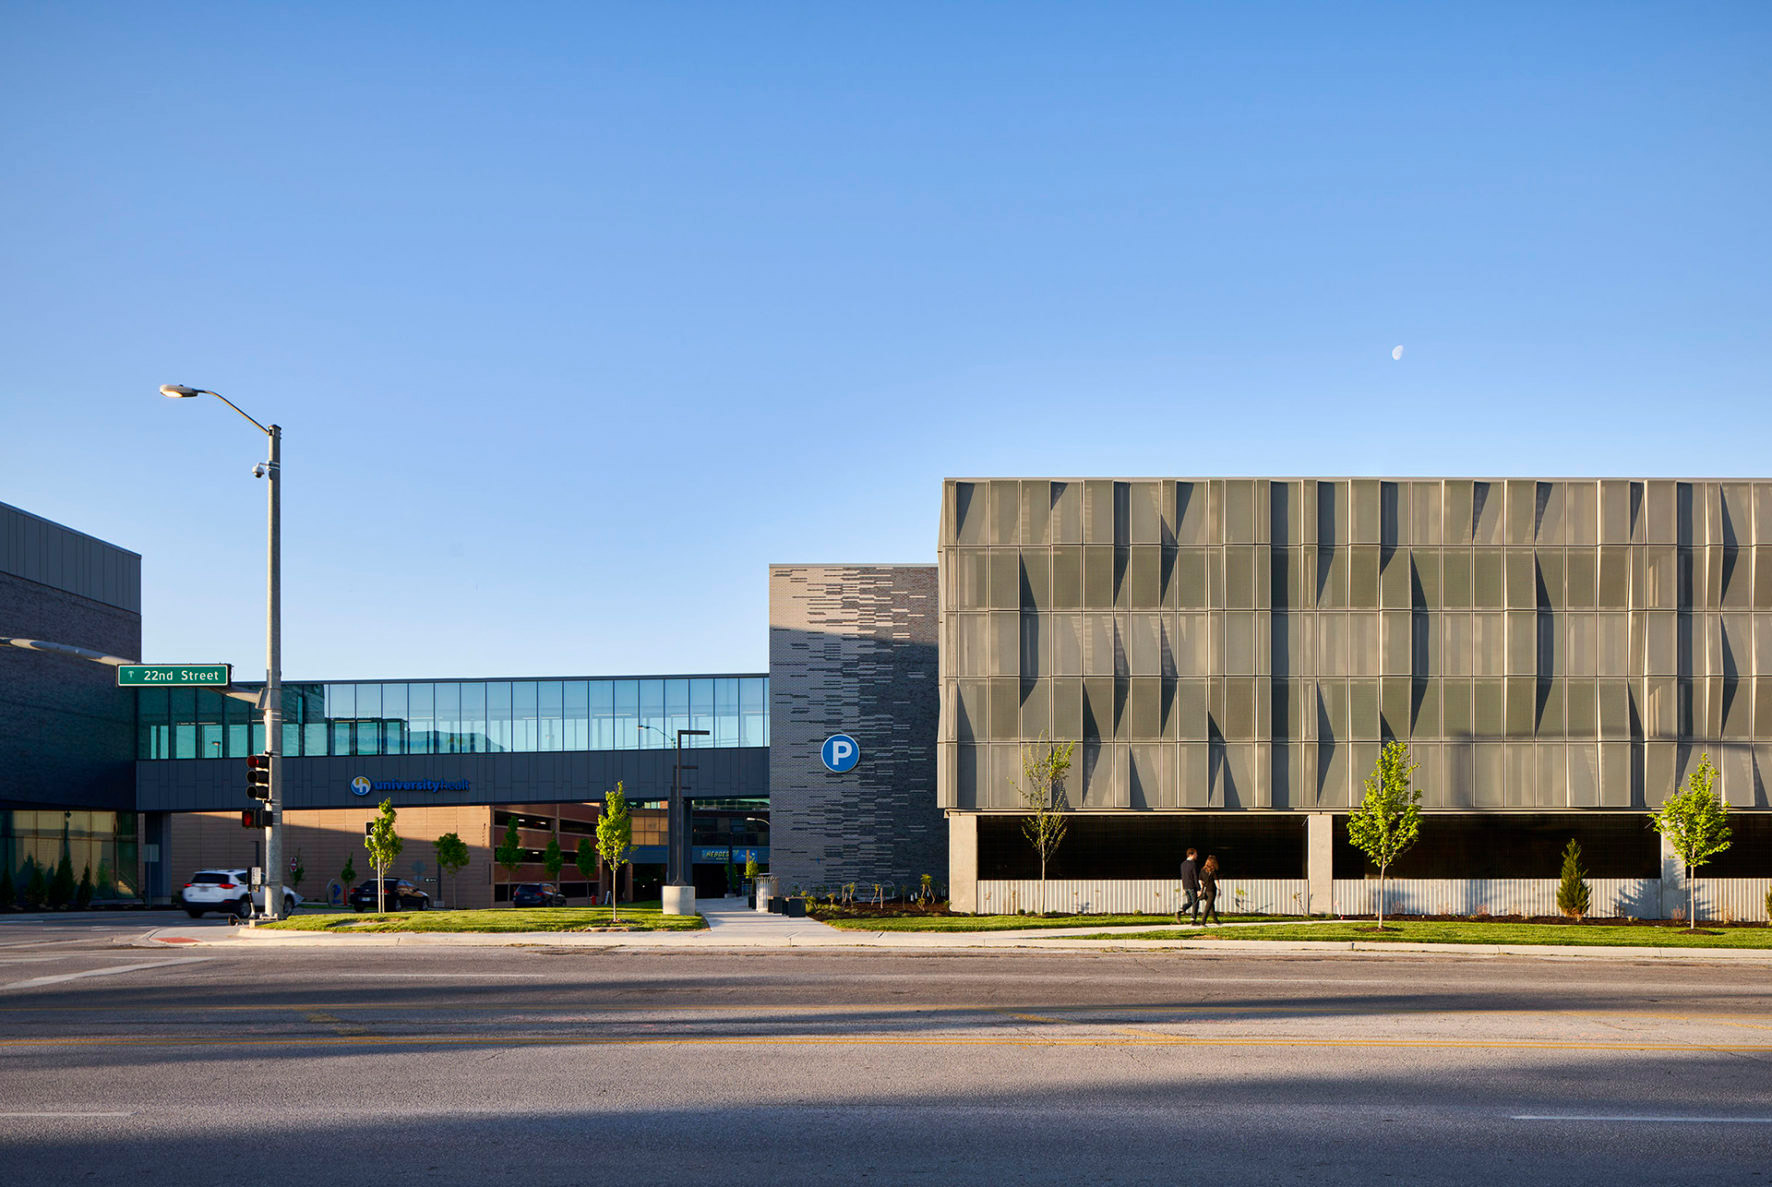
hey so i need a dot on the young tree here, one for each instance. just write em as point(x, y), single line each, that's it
point(615, 837)
point(1695, 825)
point(509, 854)
point(83, 892)
point(452, 858)
point(585, 859)
point(347, 876)
point(1573, 891)
point(1388, 819)
point(384, 846)
point(553, 860)
point(297, 871)
point(1044, 767)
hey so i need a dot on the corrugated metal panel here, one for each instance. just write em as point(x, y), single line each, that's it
point(62, 558)
point(1610, 898)
point(1740, 899)
point(1154, 896)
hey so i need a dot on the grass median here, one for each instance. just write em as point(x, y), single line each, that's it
point(1598, 935)
point(495, 919)
point(993, 922)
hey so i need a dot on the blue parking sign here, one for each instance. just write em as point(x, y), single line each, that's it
point(840, 753)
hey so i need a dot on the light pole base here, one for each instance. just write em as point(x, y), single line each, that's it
point(679, 900)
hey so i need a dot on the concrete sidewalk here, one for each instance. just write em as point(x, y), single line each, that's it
point(733, 927)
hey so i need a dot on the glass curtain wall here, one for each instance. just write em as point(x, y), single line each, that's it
point(461, 717)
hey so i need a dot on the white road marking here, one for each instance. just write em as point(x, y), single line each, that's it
point(1643, 1118)
point(48, 943)
point(35, 982)
point(462, 976)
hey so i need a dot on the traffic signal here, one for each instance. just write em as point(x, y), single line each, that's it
point(255, 818)
point(258, 776)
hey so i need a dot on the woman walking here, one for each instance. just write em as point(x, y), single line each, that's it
point(1209, 889)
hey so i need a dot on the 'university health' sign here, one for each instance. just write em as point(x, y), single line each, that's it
point(363, 786)
point(840, 753)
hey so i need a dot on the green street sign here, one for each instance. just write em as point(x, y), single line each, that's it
point(174, 675)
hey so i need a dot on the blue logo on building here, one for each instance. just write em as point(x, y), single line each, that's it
point(363, 786)
point(840, 753)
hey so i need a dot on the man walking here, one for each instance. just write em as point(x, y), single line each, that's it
point(1190, 886)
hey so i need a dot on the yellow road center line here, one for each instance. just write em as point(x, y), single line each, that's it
point(1144, 1039)
point(339, 1025)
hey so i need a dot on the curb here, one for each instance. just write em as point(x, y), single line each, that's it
point(913, 943)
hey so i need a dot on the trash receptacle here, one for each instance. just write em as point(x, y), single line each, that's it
point(765, 891)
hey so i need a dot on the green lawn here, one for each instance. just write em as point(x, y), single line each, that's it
point(497, 919)
point(997, 922)
point(1591, 934)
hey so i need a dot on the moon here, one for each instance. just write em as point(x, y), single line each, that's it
point(1396, 352)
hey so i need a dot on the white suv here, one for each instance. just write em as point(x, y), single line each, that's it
point(228, 891)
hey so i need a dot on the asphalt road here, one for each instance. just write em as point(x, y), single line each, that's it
point(538, 1066)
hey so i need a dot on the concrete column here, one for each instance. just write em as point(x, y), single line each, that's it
point(1320, 862)
point(963, 863)
point(1673, 881)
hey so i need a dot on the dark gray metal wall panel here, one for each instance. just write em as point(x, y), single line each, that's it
point(60, 557)
point(852, 649)
point(208, 785)
point(67, 732)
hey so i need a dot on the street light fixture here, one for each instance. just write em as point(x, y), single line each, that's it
point(679, 891)
point(271, 468)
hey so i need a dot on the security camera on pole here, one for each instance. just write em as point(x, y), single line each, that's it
point(271, 469)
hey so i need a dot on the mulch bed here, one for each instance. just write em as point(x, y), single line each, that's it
point(1664, 924)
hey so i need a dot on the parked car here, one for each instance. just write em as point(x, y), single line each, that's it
point(397, 893)
point(537, 894)
point(230, 892)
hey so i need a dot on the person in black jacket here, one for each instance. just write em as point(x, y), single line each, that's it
point(1209, 889)
point(1190, 886)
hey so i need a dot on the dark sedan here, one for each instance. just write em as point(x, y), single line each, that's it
point(537, 894)
point(398, 894)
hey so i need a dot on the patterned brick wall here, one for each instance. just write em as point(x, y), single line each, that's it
point(852, 649)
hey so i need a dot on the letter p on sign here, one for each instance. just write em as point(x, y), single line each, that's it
point(840, 753)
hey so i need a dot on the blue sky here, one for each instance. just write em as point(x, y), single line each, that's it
point(578, 316)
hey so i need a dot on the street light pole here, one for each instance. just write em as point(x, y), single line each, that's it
point(272, 471)
point(274, 674)
point(679, 887)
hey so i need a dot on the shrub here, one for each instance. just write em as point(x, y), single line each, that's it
point(8, 890)
point(61, 885)
point(1573, 893)
point(83, 893)
point(1769, 908)
point(36, 887)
